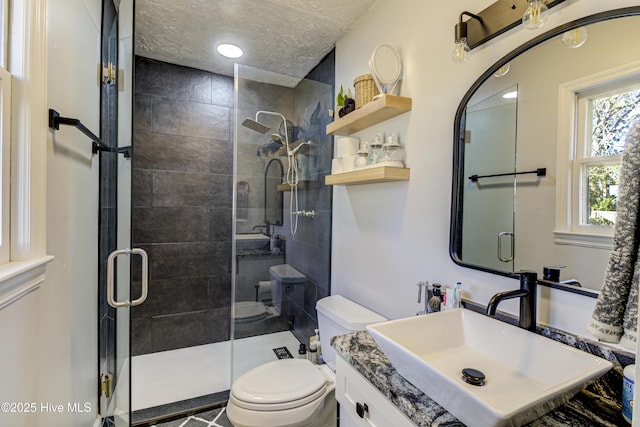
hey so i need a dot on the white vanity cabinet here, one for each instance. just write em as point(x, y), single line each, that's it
point(361, 404)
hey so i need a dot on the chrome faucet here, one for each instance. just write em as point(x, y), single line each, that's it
point(526, 293)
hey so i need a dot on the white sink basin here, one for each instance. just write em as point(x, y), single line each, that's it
point(526, 375)
point(251, 240)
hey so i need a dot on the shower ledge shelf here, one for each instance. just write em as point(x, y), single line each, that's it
point(302, 185)
point(371, 113)
point(369, 175)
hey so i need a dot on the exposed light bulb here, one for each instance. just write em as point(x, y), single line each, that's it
point(575, 38)
point(461, 51)
point(502, 71)
point(536, 14)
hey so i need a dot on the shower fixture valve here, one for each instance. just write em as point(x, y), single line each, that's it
point(310, 214)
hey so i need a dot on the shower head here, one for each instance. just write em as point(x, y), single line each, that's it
point(255, 125)
point(259, 127)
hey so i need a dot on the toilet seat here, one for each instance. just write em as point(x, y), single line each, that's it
point(279, 385)
point(249, 311)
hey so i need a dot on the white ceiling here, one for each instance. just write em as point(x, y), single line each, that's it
point(284, 36)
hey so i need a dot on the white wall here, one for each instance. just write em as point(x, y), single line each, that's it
point(389, 236)
point(49, 337)
point(67, 347)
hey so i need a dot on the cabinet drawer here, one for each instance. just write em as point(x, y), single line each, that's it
point(362, 403)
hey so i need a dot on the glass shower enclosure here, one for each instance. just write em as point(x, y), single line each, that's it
point(282, 213)
point(212, 206)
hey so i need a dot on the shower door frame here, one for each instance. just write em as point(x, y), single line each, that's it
point(114, 361)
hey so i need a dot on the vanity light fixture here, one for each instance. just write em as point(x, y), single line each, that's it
point(461, 51)
point(575, 38)
point(229, 50)
point(536, 14)
point(496, 19)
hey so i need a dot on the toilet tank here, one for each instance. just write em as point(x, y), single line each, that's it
point(284, 274)
point(338, 315)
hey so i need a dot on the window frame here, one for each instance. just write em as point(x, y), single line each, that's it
point(26, 58)
point(5, 165)
point(572, 157)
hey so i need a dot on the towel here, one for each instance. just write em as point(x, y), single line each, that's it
point(616, 312)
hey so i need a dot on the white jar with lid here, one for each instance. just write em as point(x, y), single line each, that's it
point(375, 149)
point(628, 385)
point(392, 152)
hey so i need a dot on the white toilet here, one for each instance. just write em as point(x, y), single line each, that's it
point(249, 312)
point(295, 392)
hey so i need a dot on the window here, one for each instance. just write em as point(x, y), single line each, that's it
point(23, 54)
point(5, 138)
point(4, 32)
point(604, 118)
point(5, 171)
point(595, 115)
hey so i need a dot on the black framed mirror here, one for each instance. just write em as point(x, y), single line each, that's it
point(505, 165)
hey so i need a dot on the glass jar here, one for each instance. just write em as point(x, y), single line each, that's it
point(375, 149)
point(392, 153)
point(362, 158)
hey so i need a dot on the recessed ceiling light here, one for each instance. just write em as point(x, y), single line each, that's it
point(229, 50)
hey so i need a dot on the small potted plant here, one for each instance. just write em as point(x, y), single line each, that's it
point(344, 103)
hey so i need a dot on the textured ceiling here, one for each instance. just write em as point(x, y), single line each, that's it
point(285, 36)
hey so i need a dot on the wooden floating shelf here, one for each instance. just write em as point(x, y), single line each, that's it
point(302, 185)
point(374, 112)
point(368, 176)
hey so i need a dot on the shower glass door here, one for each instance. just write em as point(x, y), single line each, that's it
point(115, 216)
point(282, 215)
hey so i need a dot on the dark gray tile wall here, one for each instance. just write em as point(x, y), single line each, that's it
point(182, 177)
point(182, 208)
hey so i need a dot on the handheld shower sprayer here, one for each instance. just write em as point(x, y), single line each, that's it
point(302, 144)
point(262, 128)
point(292, 166)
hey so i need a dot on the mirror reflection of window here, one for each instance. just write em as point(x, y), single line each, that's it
point(596, 112)
point(604, 119)
point(550, 78)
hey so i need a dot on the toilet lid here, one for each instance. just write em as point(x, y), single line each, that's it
point(249, 310)
point(278, 385)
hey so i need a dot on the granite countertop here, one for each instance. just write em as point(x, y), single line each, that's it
point(599, 404)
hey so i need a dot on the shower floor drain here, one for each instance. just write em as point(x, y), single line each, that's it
point(282, 353)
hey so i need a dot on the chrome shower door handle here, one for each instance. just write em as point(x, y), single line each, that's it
point(111, 277)
point(500, 236)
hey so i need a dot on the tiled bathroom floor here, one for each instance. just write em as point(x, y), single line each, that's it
point(214, 418)
point(176, 375)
